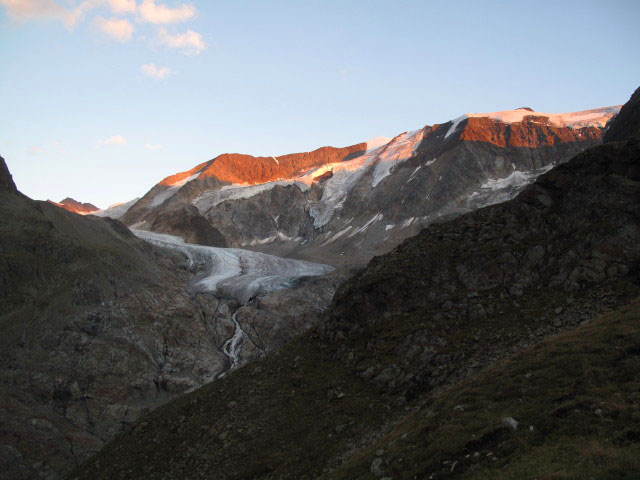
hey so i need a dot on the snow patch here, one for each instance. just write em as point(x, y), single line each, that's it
point(413, 174)
point(455, 124)
point(401, 148)
point(337, 236)
point(374, 219)
point(335, 189)
point(408, 222)
point(161, 197)
point(515, 179)
point(237, 191)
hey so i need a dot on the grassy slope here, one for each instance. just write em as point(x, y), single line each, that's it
point(578, 390)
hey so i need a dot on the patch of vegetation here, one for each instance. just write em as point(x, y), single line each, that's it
point(576, 400)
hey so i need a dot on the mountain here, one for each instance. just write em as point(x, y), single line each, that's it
point(98, 326)
point(411, 372)
point(76, 207)
point(345, 205)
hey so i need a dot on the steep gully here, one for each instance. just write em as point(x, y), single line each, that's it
point(234, 273)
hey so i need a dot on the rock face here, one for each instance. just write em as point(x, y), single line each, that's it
point(187, 222)
point(97, 327)
point(627, 122)
point(345, 205)
point(6, 181)
point(439, 307)
point(76, 207)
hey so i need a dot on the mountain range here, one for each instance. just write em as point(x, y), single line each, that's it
point(292, 317)
point(340, 205)
point(500, 344)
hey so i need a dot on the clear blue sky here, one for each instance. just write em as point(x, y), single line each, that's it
point(82, 117)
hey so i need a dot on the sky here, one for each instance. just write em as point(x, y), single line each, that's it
point(101, 99)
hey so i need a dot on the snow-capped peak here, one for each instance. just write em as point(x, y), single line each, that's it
point(597, 117)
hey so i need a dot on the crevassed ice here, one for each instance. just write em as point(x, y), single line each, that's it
point(234, 272)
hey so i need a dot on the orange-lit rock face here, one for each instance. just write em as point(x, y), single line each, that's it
point(533, 132)
point(246, 169)
point(178, 177)
point(76, 207)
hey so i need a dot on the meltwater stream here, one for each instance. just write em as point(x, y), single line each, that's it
point(235, 273)
point(232, 346)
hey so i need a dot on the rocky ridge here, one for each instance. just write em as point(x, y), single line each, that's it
point(345, 205)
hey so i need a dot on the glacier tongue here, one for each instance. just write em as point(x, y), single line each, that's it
point(234, 272)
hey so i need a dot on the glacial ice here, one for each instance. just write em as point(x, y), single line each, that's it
point(234, 272)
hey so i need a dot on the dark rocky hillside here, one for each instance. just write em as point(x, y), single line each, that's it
point(97, 327)
point(627, 123)
point(88, 316)
point(411, 371)
point(566, 408)
point(6, 181)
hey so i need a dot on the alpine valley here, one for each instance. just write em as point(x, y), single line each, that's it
point(459, 301)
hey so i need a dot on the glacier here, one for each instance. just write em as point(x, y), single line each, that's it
point(235, 272)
